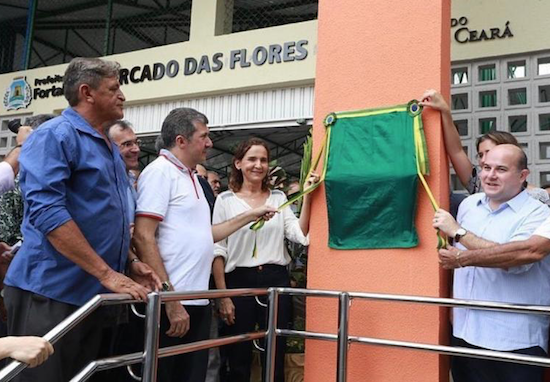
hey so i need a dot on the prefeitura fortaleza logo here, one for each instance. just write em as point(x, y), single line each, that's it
point(18, 95)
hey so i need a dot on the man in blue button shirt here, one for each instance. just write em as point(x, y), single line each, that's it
point(76, 227)
point(503, 213)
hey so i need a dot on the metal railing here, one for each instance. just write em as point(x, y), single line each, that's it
point(151, 353)
point(151, 334)
point(343, 338)
point(15, 367)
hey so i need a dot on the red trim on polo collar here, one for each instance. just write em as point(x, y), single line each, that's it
point(183, 168)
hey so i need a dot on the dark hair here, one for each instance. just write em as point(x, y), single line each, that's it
point(236, 177)
point(522, 161)
point(498, 138)
point(180, 121)
point(88, 71)
point(122, 123)
point(37, 120)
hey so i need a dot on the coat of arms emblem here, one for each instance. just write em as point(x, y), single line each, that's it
point(18, 95)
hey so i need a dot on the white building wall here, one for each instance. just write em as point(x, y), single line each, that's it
point(247, 110)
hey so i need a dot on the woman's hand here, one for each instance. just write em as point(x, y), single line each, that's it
point(30, 350)
point(313, 179)
point(227, 310)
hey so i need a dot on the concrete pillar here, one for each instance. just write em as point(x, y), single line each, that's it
point(210, 18)
point(374, 53)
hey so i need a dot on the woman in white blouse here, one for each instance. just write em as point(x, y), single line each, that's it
point(254, 259)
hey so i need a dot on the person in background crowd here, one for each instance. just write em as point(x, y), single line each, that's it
point(76, 225)
point(467, 173)
point(174, 235)
point(201, 171)
point(121, 328)
point(214, 359)
point(122, 134)
point(9, 167)
point(503, 212)
point(297, 251)
point(208, 193)
point(11, 202)
point(254, 259)
point(11, 217)
point(214, 181)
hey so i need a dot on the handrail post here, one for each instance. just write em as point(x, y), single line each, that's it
point(271, 345)
point(152, 328)
point(343, 337)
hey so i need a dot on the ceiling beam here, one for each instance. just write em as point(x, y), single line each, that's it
point(140, 36)
point(100, 24)
point(2, 4)
point(53, 46)
point(87, 43)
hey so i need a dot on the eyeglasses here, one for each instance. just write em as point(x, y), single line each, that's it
point(130, 144)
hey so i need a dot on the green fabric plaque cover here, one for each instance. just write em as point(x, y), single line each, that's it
point(372, 176)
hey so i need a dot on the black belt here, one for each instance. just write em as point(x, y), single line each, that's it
point(260, 268)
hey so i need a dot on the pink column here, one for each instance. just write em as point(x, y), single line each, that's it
point(373, 54)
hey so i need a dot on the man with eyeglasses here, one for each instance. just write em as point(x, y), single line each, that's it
point(122, 135)
point(120, 338)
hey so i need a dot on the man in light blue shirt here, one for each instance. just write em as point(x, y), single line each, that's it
point(503, 213)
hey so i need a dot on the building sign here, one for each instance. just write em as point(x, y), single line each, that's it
point(18, 94)
point(242, 58)
point(463, 34)
point(43, 90)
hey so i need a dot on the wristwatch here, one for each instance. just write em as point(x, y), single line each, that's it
point(166, 286)
point(460, 233)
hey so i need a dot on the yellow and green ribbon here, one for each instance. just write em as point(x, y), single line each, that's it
point(422, 164)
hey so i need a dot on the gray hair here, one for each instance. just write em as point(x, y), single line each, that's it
point(37, 120)
point(180, 121)
point(122, 123)
point(88, 71)
point(158, 144)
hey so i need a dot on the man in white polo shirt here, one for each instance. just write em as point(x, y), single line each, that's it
point(173, 234)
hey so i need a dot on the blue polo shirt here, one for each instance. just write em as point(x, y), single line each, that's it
point(68, 173)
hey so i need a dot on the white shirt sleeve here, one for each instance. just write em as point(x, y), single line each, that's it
point(153, 194)
point(543, 229)
point(293, 232)
point(531, 225)
point(219, 216)
point(7, 177)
